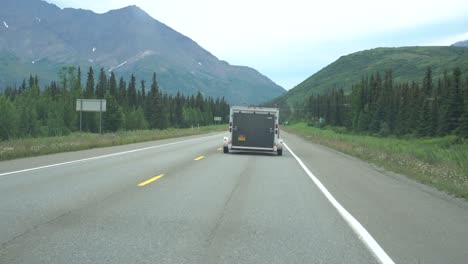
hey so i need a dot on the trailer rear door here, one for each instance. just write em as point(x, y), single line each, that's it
point(253, 130)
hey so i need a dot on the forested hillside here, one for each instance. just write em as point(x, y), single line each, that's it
point(379, 105)
point(28, 111)
point(407, 63)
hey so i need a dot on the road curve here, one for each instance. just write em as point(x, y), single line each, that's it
point(184, 201)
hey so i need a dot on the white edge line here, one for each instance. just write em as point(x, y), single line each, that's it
point(102, 156)
point(362, 233)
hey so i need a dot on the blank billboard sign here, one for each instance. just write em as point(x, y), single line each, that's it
point(91, 105)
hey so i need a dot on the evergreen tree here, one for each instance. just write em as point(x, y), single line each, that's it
point(88, 119)
point(23, 87)
point(89, 91)
point(425, 127)
point(76, 86)
point(30, 112)
point(122, 94)
point(154, 105)
point(142, 99)
point(179, 105)
point(132, 94)
point(403, 121)
point(163, 113)
point(427, 83)
point(462, 130)
point(101, 86)
point(378, 116)
point(414, 102)
point(455, 103)
point(365, 118)
point(113, 85)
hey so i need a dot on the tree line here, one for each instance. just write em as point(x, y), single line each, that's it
point(28, 111)
point(378, 105)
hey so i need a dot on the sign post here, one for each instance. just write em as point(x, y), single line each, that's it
point(217, 119)
point(91, 105)
point(81, 113)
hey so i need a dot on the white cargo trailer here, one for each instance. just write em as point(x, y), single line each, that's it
point(254, 129)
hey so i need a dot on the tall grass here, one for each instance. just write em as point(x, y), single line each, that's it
point(439, 162)
point(20, 148)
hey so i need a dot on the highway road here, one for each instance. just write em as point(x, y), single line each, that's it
point(183, 201)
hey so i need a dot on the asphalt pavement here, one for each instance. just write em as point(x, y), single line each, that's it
point(184, 201)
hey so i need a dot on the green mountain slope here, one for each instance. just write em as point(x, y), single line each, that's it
point(407, 64)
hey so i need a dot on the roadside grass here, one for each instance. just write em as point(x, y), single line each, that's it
point(28, 147)
point(438, 162)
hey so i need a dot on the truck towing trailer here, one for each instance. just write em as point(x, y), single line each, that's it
point(253, 129)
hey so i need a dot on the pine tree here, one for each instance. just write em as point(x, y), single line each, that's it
point(76, 85)
point(132, 94)
point(365, 118)
point(154, 105)
point(425, 127)
point(455, 103)
point(113, 85)
point(89, 91)
point(404, 111)
point(378, 116)
point(199, 101)
point(163, 113)
point(179, 105)
point(101, 86)
point(122, 94)
point(462, 130)
point(427, 83)
point(415, 104)
point(23, 87)
point(88, 119)
point(143, 92)
point(444, 94)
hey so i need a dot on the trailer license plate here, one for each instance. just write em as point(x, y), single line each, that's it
point(241, 138)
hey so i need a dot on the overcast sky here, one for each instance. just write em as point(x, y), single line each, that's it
point(290, 40)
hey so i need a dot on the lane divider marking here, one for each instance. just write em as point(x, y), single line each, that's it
point(199, 158)
point(220, 148)
point(141, 184)
point(105, 156)
point(360, 231)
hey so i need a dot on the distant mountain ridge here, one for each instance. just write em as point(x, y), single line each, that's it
point(406, 63)
point(39, 38)
point(463, 43)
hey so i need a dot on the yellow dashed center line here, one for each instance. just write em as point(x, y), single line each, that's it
point(141, 184)
point(220, 148)
point(199, 158)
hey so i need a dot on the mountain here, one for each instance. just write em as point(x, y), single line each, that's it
point(407, 64)
point(39, 38)
point(463, 43)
